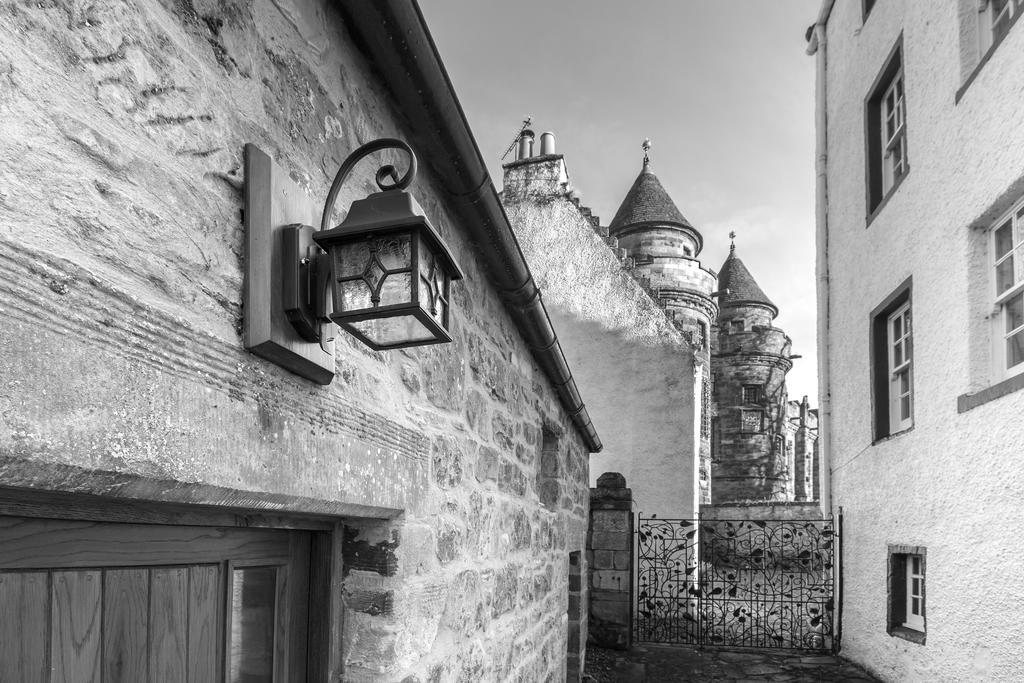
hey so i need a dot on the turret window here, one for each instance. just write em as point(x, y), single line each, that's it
point(751, 393)
point(736, 325)
point(751, 421)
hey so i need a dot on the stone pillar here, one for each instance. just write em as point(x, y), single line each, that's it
point(577, 621)
point(610, 555)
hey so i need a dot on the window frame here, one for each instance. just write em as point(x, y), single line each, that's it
point(988, 39)
point(866, 6)
point(716, 439)
point(899, 347)
point(756, 390)
point(881, 363)
point(986, 42)
point(1014, 219)
point(879, 185)
point(913, 612)
point(901, 619)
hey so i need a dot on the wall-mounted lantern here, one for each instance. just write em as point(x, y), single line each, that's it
point(384, 274)
point(390, 270)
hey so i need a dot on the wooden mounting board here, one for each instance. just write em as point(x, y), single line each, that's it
point(273, 201)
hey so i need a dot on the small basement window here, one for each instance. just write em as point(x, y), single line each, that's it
point(907, 593)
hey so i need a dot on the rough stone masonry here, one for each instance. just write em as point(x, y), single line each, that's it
point(122, 372)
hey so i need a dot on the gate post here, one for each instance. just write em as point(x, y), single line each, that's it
point(610, 562)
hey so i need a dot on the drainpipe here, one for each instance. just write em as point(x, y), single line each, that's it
point(817, 46)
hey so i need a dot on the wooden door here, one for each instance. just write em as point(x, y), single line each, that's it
point(88, 602)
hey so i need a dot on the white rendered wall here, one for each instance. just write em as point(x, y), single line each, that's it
point(955, 482)
point(635, 372)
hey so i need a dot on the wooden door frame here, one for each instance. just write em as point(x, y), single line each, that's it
point(324, 626)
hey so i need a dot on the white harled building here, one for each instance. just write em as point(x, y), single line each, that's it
point(921, 310)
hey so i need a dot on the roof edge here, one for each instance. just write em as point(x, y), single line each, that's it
point(394, 34)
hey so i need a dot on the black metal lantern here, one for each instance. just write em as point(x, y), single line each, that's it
point(389, 270)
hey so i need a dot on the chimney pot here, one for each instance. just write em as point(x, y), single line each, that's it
point(547, 143)
point(525, 145)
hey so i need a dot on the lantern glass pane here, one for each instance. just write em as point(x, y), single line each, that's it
point(352, 295)
point(395, 251)
point(442, 313)
point(426, 260)
point(351, 258)
point(397, 289)
point(393, 331)
point(426, 296)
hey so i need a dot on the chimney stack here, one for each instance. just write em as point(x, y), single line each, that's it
point(547, 143)
point(525, 144)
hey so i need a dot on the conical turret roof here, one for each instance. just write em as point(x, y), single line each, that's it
point(743, 290)
point(647, 202)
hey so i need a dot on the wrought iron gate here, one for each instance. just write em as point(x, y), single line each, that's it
point(738, 582)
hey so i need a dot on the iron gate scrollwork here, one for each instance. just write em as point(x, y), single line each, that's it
point(741, 583)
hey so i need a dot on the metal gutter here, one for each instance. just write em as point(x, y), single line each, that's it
point(394, 35)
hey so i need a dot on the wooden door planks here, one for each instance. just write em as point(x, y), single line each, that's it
point(168, 619)
point(75, 626)
point(24, 626)
point(204, 618)
point(125, 625)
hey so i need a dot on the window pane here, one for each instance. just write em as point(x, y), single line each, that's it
point(1015, 350)
point(253, 599)
point(1003, 239)
point(897, 355)
point(904, 382)
point(916, 606)
point(1004, 275)
point(1014, 312)
point(905, 408)
point(897, 327)
point(917, 565)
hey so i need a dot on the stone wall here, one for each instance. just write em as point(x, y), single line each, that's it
point(610, 552)
point(780, 510)
point(640, 376)
point(123, 374)
point(955, 475)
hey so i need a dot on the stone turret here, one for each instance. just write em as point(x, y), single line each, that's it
point(663, 247)
point(750, 360)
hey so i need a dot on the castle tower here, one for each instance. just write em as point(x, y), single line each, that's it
point(664, 246)
point(750, 360)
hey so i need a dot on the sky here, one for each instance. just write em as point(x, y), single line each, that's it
point(723, 88)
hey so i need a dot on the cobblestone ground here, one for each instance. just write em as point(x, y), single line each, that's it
point(669, 663)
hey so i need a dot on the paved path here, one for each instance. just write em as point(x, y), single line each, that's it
point(668, 663)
